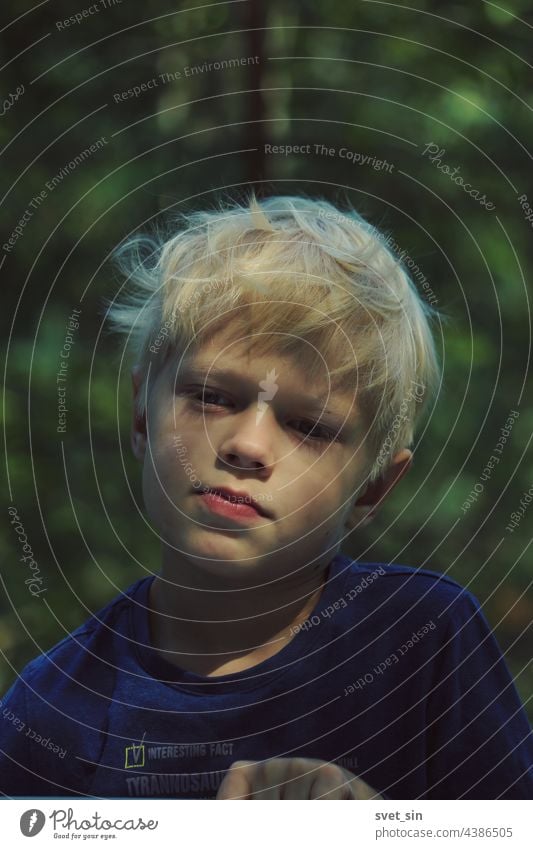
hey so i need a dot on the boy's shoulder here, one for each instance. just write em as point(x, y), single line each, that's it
point(410, 580)
point(94, 645)
point(62, 698)
point(396, 593)
point(94, 651)
point(397, 582)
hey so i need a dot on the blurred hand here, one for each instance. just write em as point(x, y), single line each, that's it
point(292, 778)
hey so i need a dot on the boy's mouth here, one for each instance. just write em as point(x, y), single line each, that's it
point(237, 498)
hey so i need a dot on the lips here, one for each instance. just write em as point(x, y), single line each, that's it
point(238, 498)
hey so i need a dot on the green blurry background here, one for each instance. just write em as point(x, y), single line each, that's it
point(380, 80)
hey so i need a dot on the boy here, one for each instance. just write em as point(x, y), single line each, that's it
point(283, 359)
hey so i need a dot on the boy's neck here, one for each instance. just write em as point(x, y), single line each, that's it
point(229, 631)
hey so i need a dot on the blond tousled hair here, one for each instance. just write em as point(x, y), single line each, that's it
point(289, 275)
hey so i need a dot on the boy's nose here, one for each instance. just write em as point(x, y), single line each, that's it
point(250, 444)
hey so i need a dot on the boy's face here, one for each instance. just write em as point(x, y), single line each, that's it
point(247, 431)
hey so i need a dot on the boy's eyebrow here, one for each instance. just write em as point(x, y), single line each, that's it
point(312, 402)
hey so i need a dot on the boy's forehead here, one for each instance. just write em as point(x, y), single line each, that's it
point(272, 372)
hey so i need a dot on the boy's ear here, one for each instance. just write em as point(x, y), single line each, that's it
point(138, 424)
point(367, 505)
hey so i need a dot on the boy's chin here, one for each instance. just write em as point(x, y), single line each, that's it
point(237, 572)
point(219, 554)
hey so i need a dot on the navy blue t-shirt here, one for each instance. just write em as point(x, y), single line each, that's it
point(395, 675)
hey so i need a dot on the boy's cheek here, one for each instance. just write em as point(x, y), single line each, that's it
point(164, 485)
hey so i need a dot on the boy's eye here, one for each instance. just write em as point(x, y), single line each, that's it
point(202, 396)
point(314, 431)
point(318, 432)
